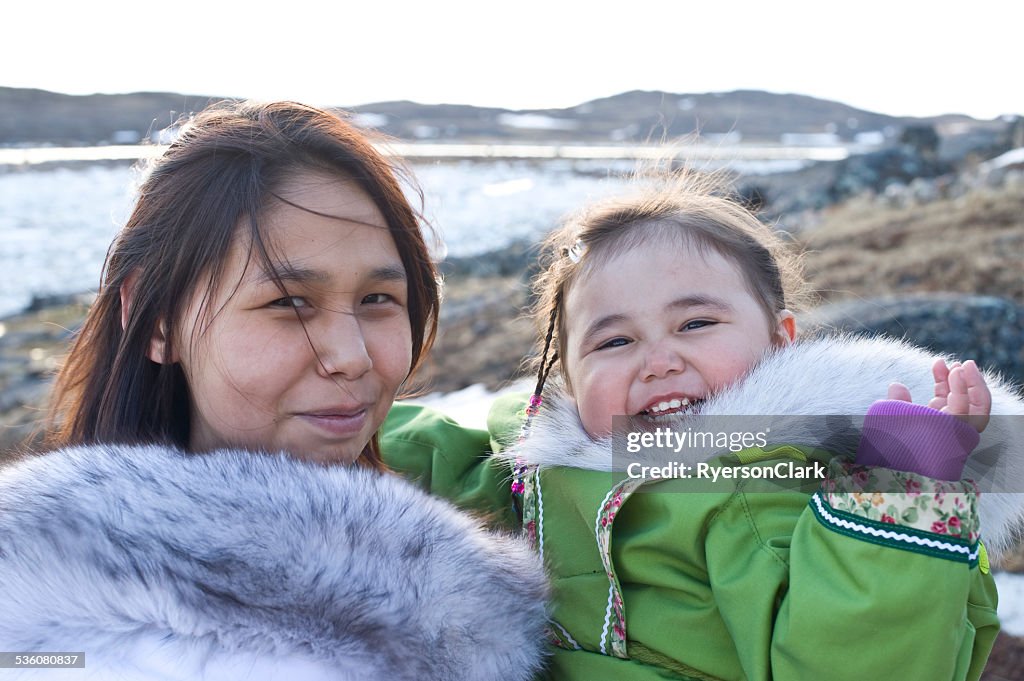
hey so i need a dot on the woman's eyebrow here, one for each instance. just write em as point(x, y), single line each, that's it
point(284, 271)
point(388, 273)
point(301, 275)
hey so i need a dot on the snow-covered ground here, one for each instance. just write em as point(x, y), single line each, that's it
point(469, 406)
point(1011, 602)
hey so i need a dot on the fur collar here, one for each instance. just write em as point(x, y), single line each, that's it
point(163, 565)
point(839, 375)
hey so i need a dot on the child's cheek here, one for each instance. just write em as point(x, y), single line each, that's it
point(732, 373)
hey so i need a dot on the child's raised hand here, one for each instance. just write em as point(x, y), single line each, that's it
point(960, 390)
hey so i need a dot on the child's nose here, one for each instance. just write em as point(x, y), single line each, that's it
point(341, 350)
point(661, 361)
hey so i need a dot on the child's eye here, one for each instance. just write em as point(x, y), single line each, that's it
point(290, 302)
point(614, 343)
point(697, 324)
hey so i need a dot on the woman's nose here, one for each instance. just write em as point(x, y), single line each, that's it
point(661, 361)
point(341, 348)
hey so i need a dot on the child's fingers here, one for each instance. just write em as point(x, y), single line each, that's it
point(979, 397)
point(957, 402)
point(941, 374)
point(969, 396)
point(898, 391)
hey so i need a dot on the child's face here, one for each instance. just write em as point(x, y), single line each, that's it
point(658, 326)
point(255, 378)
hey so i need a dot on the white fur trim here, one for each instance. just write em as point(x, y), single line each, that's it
point(239, 565)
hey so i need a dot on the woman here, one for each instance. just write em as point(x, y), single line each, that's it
point(217, 505)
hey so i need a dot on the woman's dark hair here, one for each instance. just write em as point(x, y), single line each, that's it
point(215, 179)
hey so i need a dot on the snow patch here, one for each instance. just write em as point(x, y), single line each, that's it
point(508, 188)
point(469, 406)
point(370, 120)
point(536, 122)
point(809, 139)
point(1011, 602)
point(1010, 158)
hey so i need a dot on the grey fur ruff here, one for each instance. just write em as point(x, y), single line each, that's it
point(837, 375)
point(235, 565)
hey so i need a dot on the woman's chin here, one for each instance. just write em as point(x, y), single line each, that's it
point(328, 455)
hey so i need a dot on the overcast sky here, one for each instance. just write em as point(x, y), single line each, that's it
point(898, 57)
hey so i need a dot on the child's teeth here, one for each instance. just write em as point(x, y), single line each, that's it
point(661, 411)
point(670, 404)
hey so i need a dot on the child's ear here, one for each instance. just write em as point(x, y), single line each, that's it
point(785, 328)
point(158, 343)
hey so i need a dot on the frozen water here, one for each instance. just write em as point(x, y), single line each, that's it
point(56, 225)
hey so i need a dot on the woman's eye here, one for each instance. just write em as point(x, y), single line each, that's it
point(614, 343)
point(697, 324)
point(290, 302)
point(377, 299)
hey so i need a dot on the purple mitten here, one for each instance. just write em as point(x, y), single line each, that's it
point(911, 437)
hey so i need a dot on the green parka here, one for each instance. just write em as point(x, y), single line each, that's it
point(719, 585)
point(874, 574)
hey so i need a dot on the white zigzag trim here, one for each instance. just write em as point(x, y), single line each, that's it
point(576, 646)
point(606, 631)
point(540, 515)
point(895, 536)
point(611, 586)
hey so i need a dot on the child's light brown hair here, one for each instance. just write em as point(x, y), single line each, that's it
point(684, 209)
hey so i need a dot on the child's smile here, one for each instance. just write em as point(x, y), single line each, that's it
point(659, 328)
point(669, 405)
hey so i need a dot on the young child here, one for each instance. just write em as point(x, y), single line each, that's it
point(217, 507)
point(672, 307)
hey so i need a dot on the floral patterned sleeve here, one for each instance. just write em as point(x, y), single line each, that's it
point(901, 509)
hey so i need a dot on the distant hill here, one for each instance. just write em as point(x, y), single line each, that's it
point(30, 117)
point(638, 116)
point(40, 117)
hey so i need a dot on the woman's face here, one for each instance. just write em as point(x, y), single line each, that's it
point(315, 370)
